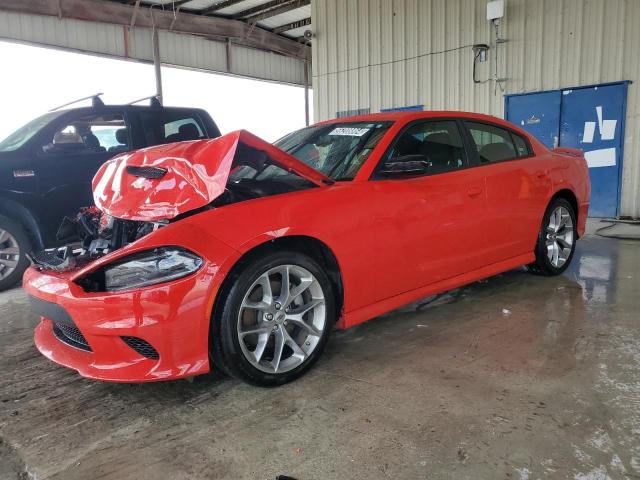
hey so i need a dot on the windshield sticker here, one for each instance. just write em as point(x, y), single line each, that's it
point(349, 131)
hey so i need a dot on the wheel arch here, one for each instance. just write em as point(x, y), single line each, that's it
point(570, 197)
point(311, 246)
point(24, 217)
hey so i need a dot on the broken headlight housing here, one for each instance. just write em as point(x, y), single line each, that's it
point(142, 269)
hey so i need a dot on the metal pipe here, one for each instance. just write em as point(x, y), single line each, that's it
point(306, 93)
point(156, 64)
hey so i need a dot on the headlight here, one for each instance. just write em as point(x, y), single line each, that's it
point(144, 269)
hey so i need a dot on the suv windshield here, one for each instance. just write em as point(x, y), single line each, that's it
point(23, 134)
point(338, 150)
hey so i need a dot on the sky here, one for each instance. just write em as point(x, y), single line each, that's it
point(35, 80)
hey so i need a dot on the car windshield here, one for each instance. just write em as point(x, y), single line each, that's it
point(338, 150)
point(23, 134)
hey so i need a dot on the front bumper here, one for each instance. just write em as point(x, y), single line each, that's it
point(173, 318)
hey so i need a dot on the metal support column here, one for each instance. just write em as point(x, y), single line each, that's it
point(156, 64)
point(306, 92)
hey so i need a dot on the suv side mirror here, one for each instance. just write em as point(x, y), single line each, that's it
point(406, 165)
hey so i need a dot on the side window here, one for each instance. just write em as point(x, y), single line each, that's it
point(522, 146)
point(493, 143)
point(436, 145)
point(167, 126)
point(91, 134)
point(185, 127)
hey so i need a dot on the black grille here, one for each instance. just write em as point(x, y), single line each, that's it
point(141, 346)
point(71, 336)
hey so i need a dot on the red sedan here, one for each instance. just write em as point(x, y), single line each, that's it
point(242, 254)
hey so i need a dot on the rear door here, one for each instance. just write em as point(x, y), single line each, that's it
point(517, 188)
point(68, 158)
point(430, 226)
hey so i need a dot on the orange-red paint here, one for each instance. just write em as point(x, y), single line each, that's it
point(395, 242)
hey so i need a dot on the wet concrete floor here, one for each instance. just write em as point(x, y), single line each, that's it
point(515, 377)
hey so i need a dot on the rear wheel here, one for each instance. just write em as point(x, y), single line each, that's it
point(14, 245)
point(556, 239)
point(274, 319)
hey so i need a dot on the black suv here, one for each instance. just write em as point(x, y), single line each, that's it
point(46, 167)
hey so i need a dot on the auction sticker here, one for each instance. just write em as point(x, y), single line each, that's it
point(349, 131)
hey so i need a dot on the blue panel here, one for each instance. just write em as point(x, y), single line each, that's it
point(410, 108)
point(593, 120)
point(537, 113)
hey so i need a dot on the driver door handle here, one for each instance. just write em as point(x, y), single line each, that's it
point(474, 191)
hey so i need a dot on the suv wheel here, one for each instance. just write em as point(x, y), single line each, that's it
point(14, 245)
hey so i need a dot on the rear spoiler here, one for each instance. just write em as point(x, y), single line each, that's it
point(571, 152)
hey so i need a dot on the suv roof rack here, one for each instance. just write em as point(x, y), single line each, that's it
point(154, 101)
point(95, 101)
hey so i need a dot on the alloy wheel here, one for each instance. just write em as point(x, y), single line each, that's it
point(281, 319)
point(9, 254)
point(559, 237)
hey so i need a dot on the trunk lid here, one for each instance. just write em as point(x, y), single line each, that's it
point(162, 182)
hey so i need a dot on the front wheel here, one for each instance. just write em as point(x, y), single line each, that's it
point(273, 321)
point(556, 240)
point(14, 245)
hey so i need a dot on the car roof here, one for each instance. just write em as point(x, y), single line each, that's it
point(110, 108)
point(408, 116)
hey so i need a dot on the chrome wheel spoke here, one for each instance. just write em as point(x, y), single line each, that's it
point(308, 327)
point(278, 349)
point(263, 339)
point(297, 351)
point(285, 285)
point(261, 330)
point(9, 263)
point(4, 236)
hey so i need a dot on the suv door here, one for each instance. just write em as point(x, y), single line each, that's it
point(68, 159)
point(517, 185)
point(430, 226)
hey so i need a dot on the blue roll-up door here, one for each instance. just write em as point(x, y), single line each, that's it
point(589, 118)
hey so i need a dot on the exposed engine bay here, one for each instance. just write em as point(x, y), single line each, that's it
point(97, 234)
point(137, 193)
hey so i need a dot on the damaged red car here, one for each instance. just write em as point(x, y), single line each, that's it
point(244, 255)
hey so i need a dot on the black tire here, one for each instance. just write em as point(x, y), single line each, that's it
point(543, 265)
point(24, 246)
point(224, 342)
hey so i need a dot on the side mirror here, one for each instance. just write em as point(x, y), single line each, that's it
point(406, 165)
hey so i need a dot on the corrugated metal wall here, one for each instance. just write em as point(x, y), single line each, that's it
point(375, 54)
point(175, 49)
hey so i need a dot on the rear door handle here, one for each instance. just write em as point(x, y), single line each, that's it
point(474, 191)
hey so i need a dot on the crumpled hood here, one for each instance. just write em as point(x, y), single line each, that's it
point(159, 183)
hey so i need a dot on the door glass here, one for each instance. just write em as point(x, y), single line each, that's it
point(91, 134)
point(522, 147)
point(493, 143)
point(438, 145)
point(169, 126)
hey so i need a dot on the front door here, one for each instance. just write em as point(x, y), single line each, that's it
point(429, 224)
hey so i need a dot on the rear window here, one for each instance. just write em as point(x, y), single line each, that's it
point(166, 126)
point(494, 144)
